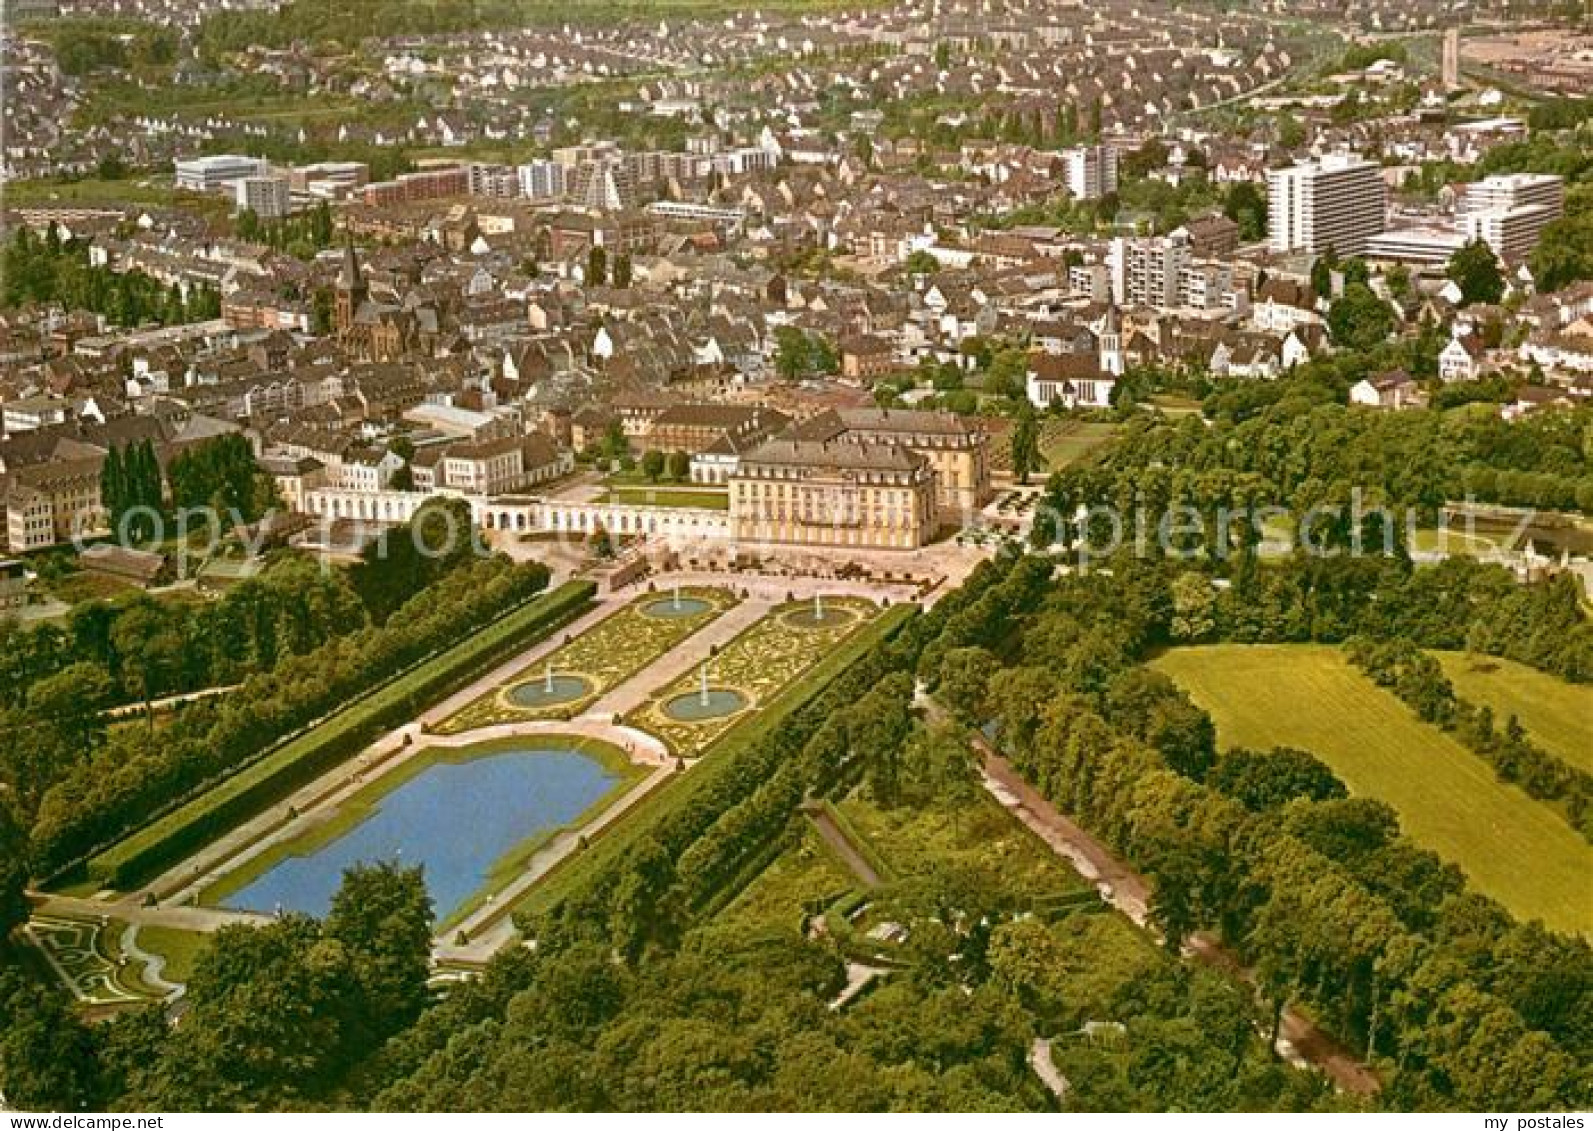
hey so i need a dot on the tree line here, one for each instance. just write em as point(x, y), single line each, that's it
point(49, 269)
point(274, 1014)
point(1419, 680)
point(1453, 1001)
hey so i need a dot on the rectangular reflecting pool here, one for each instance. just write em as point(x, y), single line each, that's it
point(458, 817)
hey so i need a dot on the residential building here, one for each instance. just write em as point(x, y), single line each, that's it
point(542, 180)
point(1090, 171)
point(51, 503)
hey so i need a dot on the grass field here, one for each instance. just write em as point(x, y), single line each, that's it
point(179, 948)
point(1065, 441)
point(1511, 847)
point(668, 497)
point(1557, 714)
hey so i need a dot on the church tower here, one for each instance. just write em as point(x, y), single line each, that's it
point(1111, 338)
point(351, 289)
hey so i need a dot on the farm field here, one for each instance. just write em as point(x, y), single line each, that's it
point(1511, 847)
point(1557, 714)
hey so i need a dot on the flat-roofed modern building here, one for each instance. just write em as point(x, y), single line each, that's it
point(268, 197)
point(1509, 212)
point(207, 174)
point(1338, 202)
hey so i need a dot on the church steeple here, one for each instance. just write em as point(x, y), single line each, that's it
point(351, 289)
point(1111, 339)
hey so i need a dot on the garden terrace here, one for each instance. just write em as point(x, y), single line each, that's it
point(601, 658)
point(766, 657)
point(720, 768)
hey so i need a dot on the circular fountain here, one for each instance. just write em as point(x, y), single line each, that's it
point(698, 706)
point(818, 615)
point(676, 605)
point(549, 691)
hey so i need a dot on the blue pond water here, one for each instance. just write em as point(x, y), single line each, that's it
point(456, 818)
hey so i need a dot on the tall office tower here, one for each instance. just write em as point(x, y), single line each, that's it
point(1338, 202)
point(1510, 212)
point(1451, 69)
point(1090, 171)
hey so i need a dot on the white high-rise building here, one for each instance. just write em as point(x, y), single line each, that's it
point(1509, 212)
point(1152, 269)
point(1090, 171)
point(268, 197)
point(542, 180)
point(1339, 202)
point(1514, 190)
point(207, 174)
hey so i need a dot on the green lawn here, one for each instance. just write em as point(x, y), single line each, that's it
point(179, 948)
point(1515, 849)
point(1065, 441)
point(1557, 714)
point(643, 496)
point(806, 873)
point(976, 835)
point(1456, 542)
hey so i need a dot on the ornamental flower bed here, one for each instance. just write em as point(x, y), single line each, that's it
point(604, 657)
point(757, 664)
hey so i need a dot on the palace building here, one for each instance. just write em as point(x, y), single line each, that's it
point(818, 493)
point(955, 448)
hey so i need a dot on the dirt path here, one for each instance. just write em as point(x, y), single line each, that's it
point(1130, 893)
point(833, 835)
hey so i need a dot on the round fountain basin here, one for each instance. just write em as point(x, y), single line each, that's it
point(809, 618)
point(534, 693)
point(694, 707)
point(670, 607)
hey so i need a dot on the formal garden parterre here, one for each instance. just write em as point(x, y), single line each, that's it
point(755, 665)
point(601, 658)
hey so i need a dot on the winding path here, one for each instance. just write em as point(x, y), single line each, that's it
point(1299, 1038)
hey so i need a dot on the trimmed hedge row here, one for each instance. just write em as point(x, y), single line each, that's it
point(727, 771)
point(302, 758)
